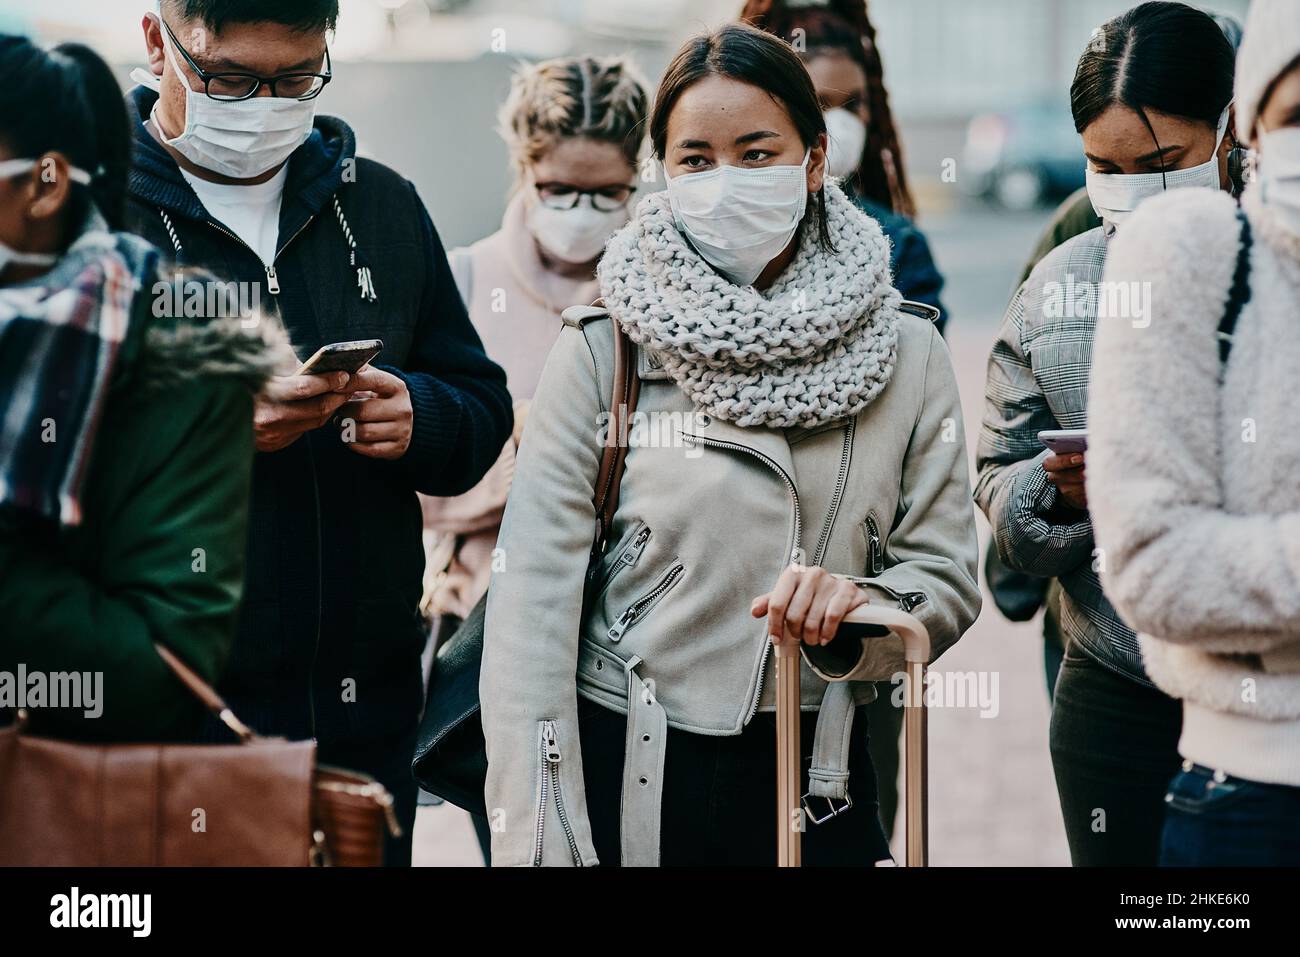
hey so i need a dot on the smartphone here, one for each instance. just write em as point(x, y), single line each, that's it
point(347, 357)
point(1065, 441)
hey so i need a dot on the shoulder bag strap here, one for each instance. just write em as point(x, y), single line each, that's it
point(626, 390)
point(206, 694)
point(1238, 295)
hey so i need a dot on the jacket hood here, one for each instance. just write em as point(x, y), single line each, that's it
point(315, 169)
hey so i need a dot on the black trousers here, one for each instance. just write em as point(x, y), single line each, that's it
point(1114, 749)
point(719, 796)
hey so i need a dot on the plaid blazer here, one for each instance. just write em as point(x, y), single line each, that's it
point(1038, 379)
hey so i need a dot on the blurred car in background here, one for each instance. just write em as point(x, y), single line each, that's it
point(1023, 158)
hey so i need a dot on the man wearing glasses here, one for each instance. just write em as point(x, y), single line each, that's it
point(235, 172)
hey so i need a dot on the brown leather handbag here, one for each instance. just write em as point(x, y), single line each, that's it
point(264, 802)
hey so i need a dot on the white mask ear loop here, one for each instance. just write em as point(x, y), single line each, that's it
point(147, 79)
point(16, 167)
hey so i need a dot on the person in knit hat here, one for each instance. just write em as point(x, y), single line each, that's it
point(1191, 471)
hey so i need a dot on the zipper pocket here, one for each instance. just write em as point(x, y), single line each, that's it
point(875, 545)
point(641, 607)
point(627, 558)
point(549, 790)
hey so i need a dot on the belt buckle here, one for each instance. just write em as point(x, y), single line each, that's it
point(830, 803)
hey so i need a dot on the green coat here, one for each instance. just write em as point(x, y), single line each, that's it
point(159, 556)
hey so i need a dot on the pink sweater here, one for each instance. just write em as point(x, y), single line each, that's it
point(515, 303)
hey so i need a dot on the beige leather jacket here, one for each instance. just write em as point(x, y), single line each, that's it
point(709, 516)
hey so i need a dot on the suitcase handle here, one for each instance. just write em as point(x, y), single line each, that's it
point(916, 652)
point(916, 639)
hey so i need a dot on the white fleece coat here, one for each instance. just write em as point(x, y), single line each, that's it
point(1194, 488)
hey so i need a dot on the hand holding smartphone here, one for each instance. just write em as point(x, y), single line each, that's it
point(1065, 467)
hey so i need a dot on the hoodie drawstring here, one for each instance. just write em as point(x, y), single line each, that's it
point(171, 231)
point(365, 282)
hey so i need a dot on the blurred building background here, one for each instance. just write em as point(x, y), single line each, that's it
point(420, 79)
point(982, 84)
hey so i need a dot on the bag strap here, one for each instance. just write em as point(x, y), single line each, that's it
point(1239, 294)
point(206, 694)
point(613, 457)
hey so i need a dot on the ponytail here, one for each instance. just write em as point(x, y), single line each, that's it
point(67, 101)
point(110, 132)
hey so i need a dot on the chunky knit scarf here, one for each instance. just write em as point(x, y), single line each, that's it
point(816, 346)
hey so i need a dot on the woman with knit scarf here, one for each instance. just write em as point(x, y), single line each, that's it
point(796, 452)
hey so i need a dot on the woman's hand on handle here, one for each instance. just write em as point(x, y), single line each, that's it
point(807, 604)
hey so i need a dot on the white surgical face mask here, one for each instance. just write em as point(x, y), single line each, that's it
point(1277, 171)
point(848, 135)
point(1115, 195)
point(240, 139)
point(576, 235)
point(13, 257)
point(739, 220)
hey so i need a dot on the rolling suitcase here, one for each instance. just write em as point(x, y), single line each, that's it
point(916, 652)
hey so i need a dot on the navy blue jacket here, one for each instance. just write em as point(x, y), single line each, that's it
point(915, 274)
point(330, 635)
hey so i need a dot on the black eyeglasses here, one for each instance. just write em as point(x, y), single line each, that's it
point(564, 196)
point(232, 87)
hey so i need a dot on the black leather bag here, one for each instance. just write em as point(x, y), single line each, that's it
point(450, 754)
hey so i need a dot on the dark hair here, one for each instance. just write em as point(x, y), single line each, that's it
point(1161, 56)
point(307, 16)
point(742, 53)
point(67, 100)
point(842, 26)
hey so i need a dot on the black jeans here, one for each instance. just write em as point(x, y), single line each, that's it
point(719, 796)
point(1114, 748)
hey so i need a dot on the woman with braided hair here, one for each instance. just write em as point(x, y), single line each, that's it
point(837, 42)
point(574, 127)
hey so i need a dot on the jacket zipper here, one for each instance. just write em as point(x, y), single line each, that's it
point(627, 558)
point(877, 556)
point(908, 600)
point(793, 551)
point(840, 483)
point(272, 277)
point(549, 748)
point(638, 608)
point(273, 287)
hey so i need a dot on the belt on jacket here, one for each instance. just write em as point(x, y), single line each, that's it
point(645, 747)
